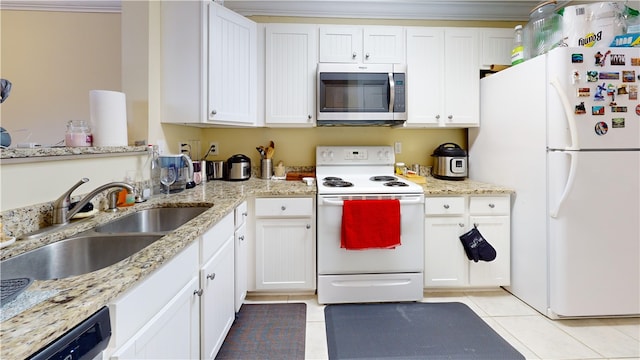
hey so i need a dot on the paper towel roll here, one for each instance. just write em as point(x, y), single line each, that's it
point(108, 118)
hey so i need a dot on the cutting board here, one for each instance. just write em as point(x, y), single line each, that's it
point(298, 175)
point(414, 178)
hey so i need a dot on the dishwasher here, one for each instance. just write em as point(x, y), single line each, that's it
point(86, 341)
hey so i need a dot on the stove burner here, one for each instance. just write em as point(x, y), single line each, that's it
point(337, 183)
point(332, 178)
point(382, 178)
point(395, 184)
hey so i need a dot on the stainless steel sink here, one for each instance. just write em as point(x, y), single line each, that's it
point(74, 256)
point(157, 220)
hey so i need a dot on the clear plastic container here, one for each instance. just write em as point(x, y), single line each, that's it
point(78, 134)
point(543, 31)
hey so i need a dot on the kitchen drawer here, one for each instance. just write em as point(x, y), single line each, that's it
point(214, 238)
point(444, 205)
point(489, 205)
point(279, 207)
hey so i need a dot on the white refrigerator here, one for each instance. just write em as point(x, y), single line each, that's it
point(563, 130)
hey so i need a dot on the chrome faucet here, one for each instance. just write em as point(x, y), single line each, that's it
point(61, 212)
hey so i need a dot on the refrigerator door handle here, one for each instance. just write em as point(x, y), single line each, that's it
point(568, 186)
point(573, 130)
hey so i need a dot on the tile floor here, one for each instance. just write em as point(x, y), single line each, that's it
point(534, 335)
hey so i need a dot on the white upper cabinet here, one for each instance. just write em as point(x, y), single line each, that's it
point(443, 77)
point(366, 44)
point(495, 47)
point(291, 58)
point(209, 65)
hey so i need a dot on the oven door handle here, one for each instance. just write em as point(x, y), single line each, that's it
point(403, 201)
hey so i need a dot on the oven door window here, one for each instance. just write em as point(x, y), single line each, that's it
point(354, 92)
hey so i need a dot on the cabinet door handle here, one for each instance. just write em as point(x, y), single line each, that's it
point(492, 205)
point(213, 112)
point(308, 226)
point(353, 56)
point(438, 117)
point(309, 117)
point(283, 208)
point(241, 238)
point(367, 55)
point(211, 276)
point(198, 292)
point(244, 213)
point(450, 117)
point(446, 206)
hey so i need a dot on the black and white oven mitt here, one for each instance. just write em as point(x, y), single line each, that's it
point(476, 246)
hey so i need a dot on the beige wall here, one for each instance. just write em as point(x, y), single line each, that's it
point(53, 60)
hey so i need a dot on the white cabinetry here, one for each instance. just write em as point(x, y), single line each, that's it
point(159, 317)
point(217, 284)
point(443, 86)
point(291, 57)
point(368, 44)
point(241, 254)
point(446, 264)
point(209, 65)
point(285, 244)
point(495, 47)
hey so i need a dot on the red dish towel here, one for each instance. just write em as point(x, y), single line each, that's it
point(370, 224)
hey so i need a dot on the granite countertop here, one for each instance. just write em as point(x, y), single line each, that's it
point(69, 301)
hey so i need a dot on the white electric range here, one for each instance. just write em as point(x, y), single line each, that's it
point(373, 275)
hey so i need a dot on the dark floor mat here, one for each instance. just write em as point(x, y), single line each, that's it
point(412, 331)
point(267, 331)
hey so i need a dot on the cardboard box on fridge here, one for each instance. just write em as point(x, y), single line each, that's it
point(626, 40)
point(593, 25)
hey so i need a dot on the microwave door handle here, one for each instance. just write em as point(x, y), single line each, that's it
point(392, 92)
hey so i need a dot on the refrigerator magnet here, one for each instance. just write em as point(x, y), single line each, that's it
point(633, 92)
point(600, 58)
point(599, 96)
point(609, 75)
point(601, 128)
point(592, 76)
point(597, 110)
point(584, 92)
point(628, 76)
point(580, 109)
point(618, 109)
point(638, 109)
point(617, 123)
point(618, 59)
point(577, 58)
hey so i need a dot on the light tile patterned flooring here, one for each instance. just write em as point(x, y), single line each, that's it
point(531, 333)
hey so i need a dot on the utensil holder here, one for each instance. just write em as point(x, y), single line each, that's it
point(266, 168)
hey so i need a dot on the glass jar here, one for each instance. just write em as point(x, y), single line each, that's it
point(78, 134)
point(543, 31)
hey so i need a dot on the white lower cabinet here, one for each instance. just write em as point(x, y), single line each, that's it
point(172, 334)
point(285, 244)
point(446, 264)
point(217, 304)
point(183, 310)
point(159, 317)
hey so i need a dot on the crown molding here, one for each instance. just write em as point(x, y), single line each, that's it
point(106, 6)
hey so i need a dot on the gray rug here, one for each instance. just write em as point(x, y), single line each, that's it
point(412, 331)
point(266, 331)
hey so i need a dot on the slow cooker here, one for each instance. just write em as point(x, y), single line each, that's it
point(450, 162)
point(238, 168)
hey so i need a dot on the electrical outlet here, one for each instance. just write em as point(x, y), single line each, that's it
point(397, 147)
point(214, 148)
point(184, 147)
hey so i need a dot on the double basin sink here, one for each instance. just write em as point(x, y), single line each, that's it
point(100, 247)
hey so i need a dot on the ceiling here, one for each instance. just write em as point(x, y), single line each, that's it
point(376, 9)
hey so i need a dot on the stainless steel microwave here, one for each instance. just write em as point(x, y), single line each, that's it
point(361, 94)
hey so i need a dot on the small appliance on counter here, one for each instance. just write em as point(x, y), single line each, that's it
point(184, 165)
point(450, 162)
point(238, 168)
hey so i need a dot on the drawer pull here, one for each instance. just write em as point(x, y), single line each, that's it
point(461, 224)
point(283, 208)
point(211, 276)
point(446, 206)
point(198, 292)
point(244, 213)
point(492, 205)
point(241, 238)
point(308, 226)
